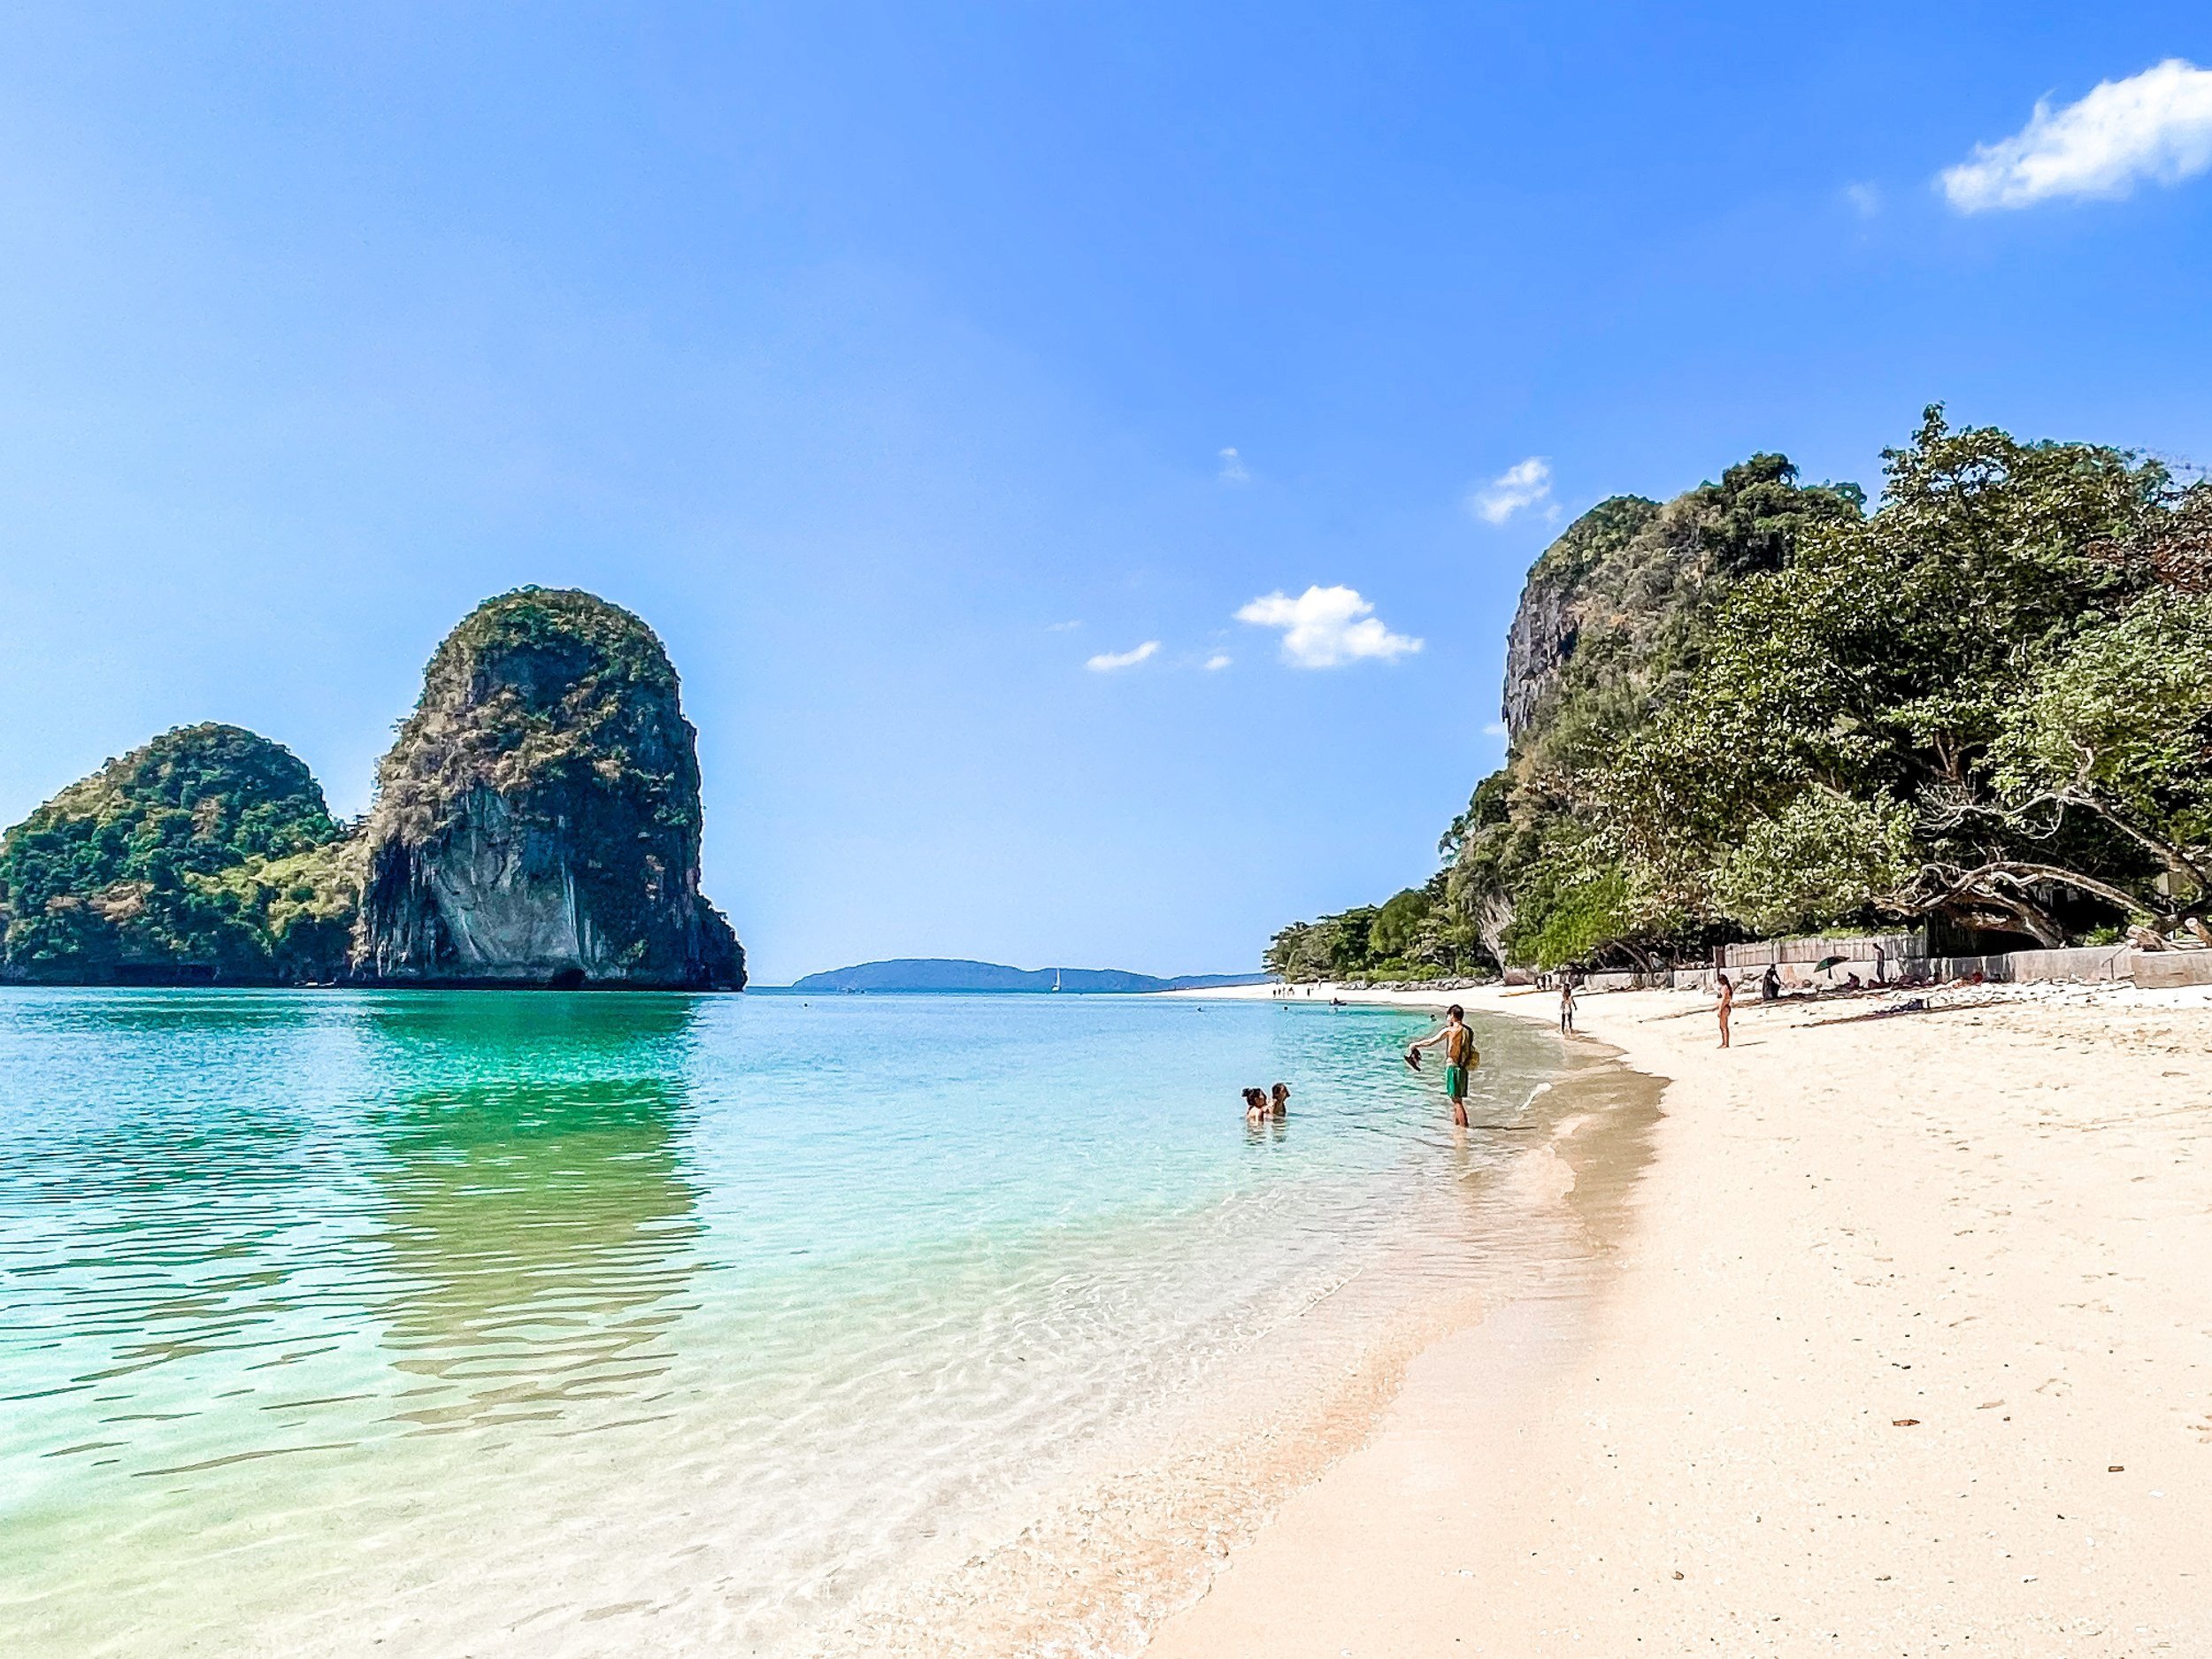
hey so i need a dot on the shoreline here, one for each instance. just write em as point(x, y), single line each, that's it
point(1904, 1348)
point(1118, 1552)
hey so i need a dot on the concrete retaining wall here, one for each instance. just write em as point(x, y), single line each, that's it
point(1792, 952)
point(2094, 963)
point(2159, 969)
point(2091, 964)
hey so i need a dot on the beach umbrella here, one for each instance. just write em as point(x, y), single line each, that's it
point(1827, 962)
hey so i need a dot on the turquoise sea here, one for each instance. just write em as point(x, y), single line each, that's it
point(411, 1322)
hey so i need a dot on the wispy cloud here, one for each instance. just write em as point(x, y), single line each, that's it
point(1496, 729)
point(1524, 484)
point(1865, 199)
point(1107, 661)
point(1325, 627)
point(2154, 126)
point(1218, 660)
point(1233, 468)
point(1062, 627)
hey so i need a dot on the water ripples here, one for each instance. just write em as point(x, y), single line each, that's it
point(610, 1319)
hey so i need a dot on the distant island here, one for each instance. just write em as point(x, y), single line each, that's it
point(945, 973)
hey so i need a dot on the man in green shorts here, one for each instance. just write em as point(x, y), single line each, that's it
point(1460, 1058)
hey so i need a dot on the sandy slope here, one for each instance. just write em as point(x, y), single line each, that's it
point(1994, 1222)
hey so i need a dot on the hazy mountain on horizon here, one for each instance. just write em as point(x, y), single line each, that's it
point(948, 973)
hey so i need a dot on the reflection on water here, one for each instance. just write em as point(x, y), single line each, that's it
point(536, 1237)
point(534, 1217)
point(549, 1323)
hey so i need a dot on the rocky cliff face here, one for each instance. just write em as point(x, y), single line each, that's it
point(1612, 626)
point(538, 819)
point(1615, 605)
point(1550, 619)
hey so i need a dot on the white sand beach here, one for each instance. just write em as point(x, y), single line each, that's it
point(1903, 1347)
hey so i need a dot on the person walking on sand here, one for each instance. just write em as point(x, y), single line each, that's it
point(1727, 1003)
point(1566, 1004)
point(1460, 1058)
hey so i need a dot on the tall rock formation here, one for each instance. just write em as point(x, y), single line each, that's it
point(1617, 606)
point(1548, 622)
point(1612, 626)
point(538, 819)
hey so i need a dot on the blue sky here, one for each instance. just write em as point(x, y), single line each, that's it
point(888, 360)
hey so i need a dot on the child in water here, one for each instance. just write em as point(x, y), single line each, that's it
point(1281, 1102)
point(1255, 1105)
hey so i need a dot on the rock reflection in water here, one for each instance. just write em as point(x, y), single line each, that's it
point(536, 1222)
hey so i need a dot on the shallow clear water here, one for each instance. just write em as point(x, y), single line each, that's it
point(535, 1323)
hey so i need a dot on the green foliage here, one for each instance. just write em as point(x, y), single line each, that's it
point(1824, 857)
point(1573, 913)
point(1396, 931)
point(141, 866)
point(306, 905)
point(1416, 935)
point(1941, 665)
point(2118, 721)
point(1760, 708)
point(544, 692)
point(1532, 878)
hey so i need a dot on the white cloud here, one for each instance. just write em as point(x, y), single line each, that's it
point(1496, 729)
point(1062, 627)
point(2157, 125)
point(1326, 627)
point(1232, 469)
point(1865, 199)
point(1106, 662)
point(1218, 660)
point(1524, 484)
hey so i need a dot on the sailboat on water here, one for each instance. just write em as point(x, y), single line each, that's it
point(1056, 978)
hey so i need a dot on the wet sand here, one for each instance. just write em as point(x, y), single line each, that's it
point(1537, 1200)
point(1901, 1344)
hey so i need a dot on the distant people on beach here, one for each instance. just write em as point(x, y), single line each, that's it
point(1460, 1058)
point(1770, 984)
point(1280, 1099)
point(1727, 1004)
point(1566, 1002)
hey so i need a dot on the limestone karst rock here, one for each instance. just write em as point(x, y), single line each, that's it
point(538, 819)
point(1548, 622)
point(205, 855)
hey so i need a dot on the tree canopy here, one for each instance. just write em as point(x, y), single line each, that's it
point(210, 847)
point(1761, 709)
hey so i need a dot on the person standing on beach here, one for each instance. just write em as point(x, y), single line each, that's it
point(1727, 1001)
point(1567, 1002)
point(1460, 1058)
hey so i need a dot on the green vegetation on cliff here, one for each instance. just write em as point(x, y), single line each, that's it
point(537, 822)
point(210, 851)
point(538, 813)
point(1758, 710)
point(542, 689)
